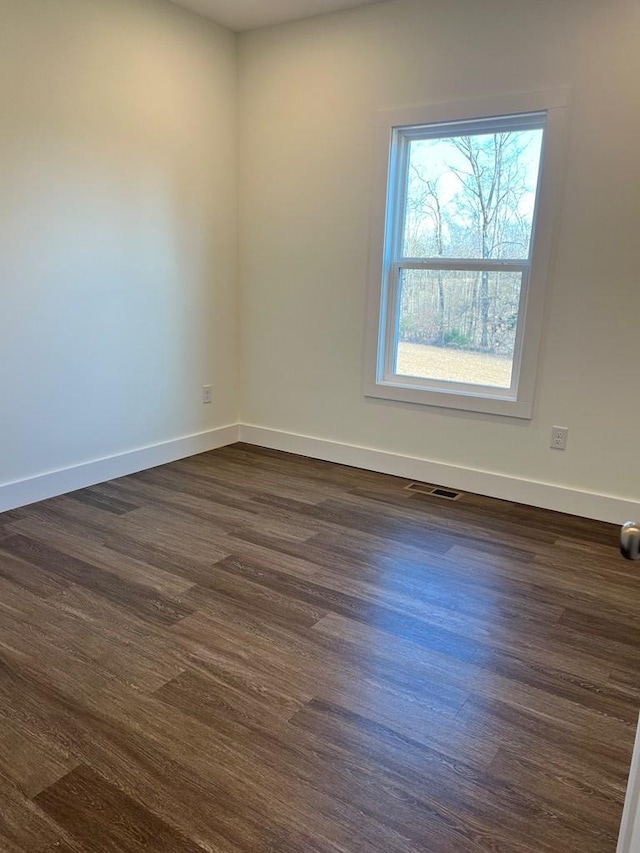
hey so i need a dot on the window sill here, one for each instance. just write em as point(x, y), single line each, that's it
point(487, 403)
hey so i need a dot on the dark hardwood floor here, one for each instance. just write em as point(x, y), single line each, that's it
point(248, 651)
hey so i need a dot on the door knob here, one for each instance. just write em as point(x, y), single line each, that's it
point(630, 540)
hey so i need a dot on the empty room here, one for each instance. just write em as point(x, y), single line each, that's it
point(319, 426)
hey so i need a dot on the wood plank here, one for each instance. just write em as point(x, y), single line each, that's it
point(105, 819)
point(30, 759)
point(131, 595)
point(253, 652)
point(501, 814)
point(24, 827)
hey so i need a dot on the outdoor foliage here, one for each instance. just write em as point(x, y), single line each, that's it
point(468, 197)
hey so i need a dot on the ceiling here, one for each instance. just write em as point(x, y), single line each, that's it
point(242, 15)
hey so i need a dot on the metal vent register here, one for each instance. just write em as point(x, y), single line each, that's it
point(435, 491)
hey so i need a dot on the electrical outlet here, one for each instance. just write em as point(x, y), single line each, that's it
point(559, 438)
point(207, 394)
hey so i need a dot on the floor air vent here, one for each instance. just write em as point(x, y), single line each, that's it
point(436, 492)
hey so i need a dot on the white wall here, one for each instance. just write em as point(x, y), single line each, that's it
point(309, 92)
point(118, 290)
point(117, 229)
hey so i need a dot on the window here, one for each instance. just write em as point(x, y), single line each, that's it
point(464, 221)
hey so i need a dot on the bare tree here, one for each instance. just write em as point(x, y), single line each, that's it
point(483, 218)
point(429, 205)
point(493, 186)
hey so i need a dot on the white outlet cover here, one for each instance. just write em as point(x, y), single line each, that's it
point(559, 437)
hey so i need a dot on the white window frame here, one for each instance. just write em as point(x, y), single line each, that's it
point(392, 128)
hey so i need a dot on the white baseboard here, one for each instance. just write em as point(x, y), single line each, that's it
point(52, 483)
point(546, 495)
